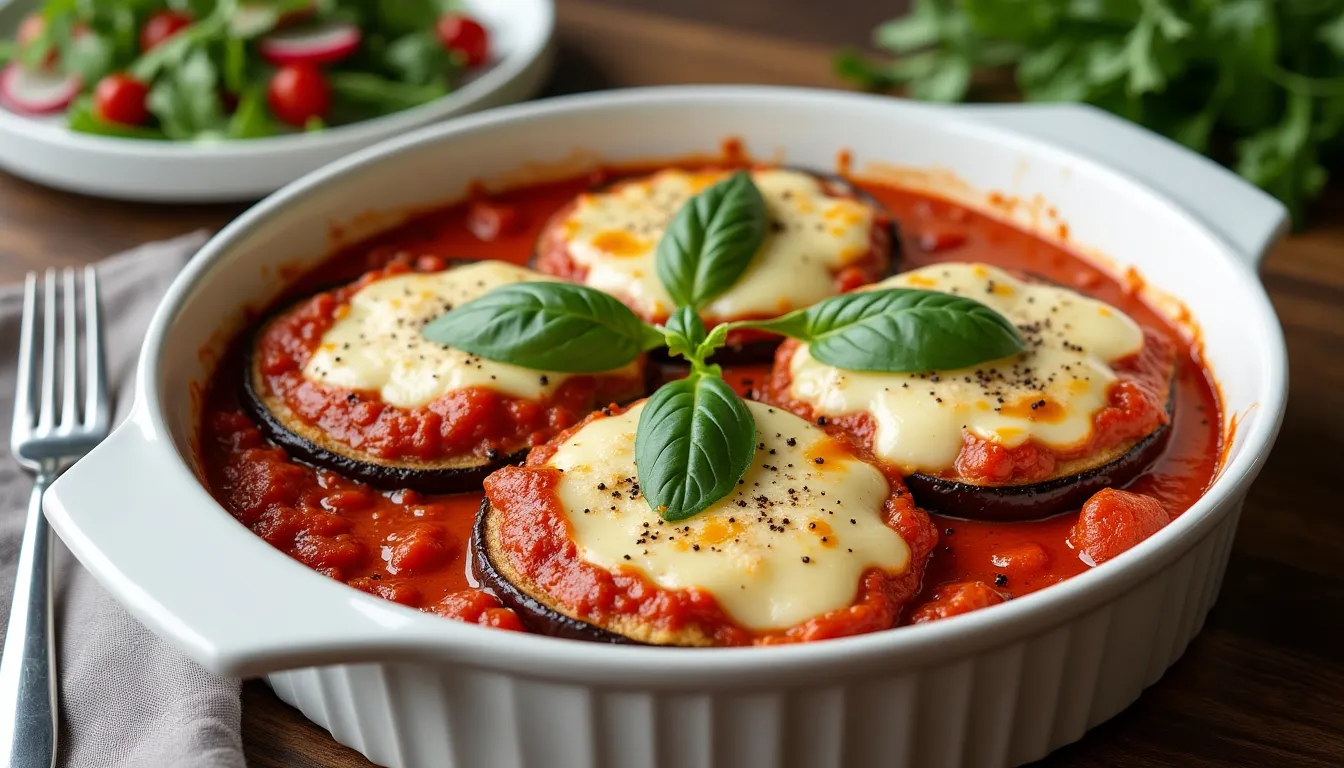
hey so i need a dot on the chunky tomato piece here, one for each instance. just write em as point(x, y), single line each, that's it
point(299, 93)
point(1025, 559)
point(160, 27)
point(956, 599)
point(937, 240)
point(420, 549)
point(396, 591)
point(466, 37)
point(1113, 521)
point(477, 607)
point(120, 98)
point(490, 221)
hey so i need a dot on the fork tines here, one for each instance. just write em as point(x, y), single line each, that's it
point(69, 324)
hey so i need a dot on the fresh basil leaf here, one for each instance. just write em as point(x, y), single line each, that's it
point(694, 441)
point(685, 331)
point(716, 338)
point(900, 330)
point(711, 240)
point(547, 326)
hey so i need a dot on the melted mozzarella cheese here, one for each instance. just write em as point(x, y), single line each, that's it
point(1048, 393)
point(376, 344)
point(613, 236)
point(791, 543)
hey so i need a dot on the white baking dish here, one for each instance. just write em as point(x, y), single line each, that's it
point(993, 688)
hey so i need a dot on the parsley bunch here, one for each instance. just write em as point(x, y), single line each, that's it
point(1258, 84)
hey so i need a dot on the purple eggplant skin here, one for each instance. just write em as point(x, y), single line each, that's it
point(458, 475)
point(1037, 501)
point(537, 617)
point(456, 479)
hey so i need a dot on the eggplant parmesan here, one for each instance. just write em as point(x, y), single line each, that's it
point(825, 237)
point(1084, 406)
point(818, 541)
point(344, 380)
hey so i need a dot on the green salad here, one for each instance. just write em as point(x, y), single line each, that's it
point(203, 70)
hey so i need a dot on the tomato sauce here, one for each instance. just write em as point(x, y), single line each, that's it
point(411, 548)
point(472, 421)
point(537, 541)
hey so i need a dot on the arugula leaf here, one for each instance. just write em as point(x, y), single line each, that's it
point(235, 65)
point(899, 330)
point(381, 94)
point(711, 240)
point(88, 55)
point(547, 326)
point(84, 119)
point(251, 120)
point(186, 101)
point(694, 441)
point(419, 58)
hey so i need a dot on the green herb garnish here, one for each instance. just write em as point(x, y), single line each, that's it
point(696, 438)
point(1257, 83)
point(711, 240)
point(219, 72)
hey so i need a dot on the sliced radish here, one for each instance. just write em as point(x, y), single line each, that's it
point(316, 45)
point(39, 92)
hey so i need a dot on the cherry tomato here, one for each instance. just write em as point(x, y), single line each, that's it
point(298, 93)
point(120, 98)
point(162, 26)
point(464, 35)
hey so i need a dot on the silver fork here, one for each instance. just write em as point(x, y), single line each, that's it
point(45, 440)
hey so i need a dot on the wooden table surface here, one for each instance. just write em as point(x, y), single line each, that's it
point(1263, 685)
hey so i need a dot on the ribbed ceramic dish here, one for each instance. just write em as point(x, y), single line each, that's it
point(997, 687)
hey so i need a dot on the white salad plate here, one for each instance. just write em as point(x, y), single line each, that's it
point(996, 687)
point(43, 150)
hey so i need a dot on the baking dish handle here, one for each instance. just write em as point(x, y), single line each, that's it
point(140, 522)
point(1247, 218)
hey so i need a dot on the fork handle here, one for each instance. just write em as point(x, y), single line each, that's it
point(28, 665)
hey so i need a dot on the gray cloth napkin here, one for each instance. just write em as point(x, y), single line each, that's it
point(127, 698)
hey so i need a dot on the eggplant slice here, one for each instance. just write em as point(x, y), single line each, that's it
point(450, 474)
point(1114, 468)
point(453, 474)
point(538, 617)
point(757, 351)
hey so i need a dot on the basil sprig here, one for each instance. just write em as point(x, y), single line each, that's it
point(547, 326)
point(711, 241)
point(694, 441)
point(899, 330)
point(696, 438)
